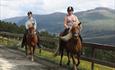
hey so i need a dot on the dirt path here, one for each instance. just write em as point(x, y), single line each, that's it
point(15, 60)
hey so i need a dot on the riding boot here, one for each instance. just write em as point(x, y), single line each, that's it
point(23, 42)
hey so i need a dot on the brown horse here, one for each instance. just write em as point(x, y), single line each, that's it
point(31, 42)
point(73, 47)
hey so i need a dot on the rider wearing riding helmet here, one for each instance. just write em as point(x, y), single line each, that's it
point(30, 22)
point(70, 20)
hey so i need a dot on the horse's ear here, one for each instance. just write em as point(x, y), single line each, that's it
point(79, 24)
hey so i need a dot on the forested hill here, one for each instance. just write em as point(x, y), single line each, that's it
point(11, 27)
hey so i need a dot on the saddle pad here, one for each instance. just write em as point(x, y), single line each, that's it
point(66, 37)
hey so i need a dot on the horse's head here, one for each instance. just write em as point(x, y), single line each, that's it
point(31, 30)
point(75, 31)
point(75, 28)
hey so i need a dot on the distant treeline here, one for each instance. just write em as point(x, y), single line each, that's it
point(11, 27)
point(14, 28)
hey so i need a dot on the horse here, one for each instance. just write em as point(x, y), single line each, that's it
point(73, 47)
point(31, 42)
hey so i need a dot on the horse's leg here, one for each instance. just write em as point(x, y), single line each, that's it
point(78, 59)
point(61, 57)
point(29, 50)
point(26, 49)
point(68, 63)
point(78, 62)
point(79, 51)
point(74, 62)
point(38, 42)
point(32, 51)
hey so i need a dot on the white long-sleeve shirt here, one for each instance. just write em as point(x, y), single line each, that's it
point(31, 21)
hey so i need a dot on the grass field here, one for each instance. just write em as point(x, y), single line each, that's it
point(84, 65)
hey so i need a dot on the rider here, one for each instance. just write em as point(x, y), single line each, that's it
point(70, 20)
point(30, 21)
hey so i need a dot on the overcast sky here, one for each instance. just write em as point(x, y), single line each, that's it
point(12, 8)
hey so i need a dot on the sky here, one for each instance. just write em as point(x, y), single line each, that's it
point(13, 8)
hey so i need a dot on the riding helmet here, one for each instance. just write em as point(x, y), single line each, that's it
point(70, 8)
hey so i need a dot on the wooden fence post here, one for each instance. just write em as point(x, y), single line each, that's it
point(92, 56)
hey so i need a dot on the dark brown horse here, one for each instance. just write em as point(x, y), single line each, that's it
point(31, 42)
point(73, 48)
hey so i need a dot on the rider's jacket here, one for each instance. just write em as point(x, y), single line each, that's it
point(31, 21)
